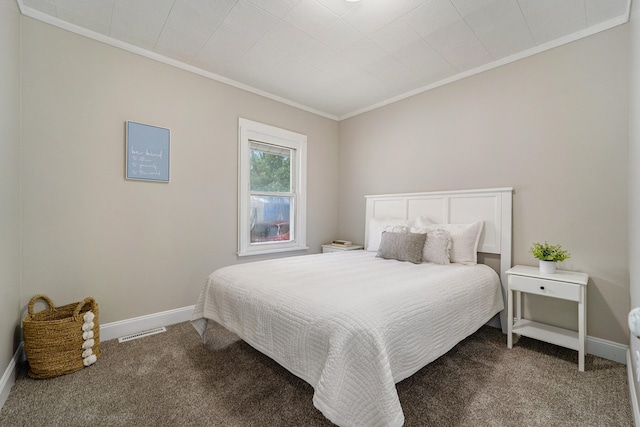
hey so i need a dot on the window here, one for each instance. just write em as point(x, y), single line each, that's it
point(272, 187)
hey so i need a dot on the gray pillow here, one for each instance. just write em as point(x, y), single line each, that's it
point(402, 246)
point(438, 245)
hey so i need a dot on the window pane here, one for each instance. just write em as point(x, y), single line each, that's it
point(270, 219)
point(270, 168)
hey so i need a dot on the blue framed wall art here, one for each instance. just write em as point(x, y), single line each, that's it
point(147, 157)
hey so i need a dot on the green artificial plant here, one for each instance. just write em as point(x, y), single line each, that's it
point(547, 252)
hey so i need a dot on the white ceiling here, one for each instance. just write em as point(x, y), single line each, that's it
point(333, 57)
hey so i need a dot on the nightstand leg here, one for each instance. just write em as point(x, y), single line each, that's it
point(582, 328)
point(509, 318)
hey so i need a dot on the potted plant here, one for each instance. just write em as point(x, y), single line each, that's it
point(548, 256)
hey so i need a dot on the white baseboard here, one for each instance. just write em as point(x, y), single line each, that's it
point(632, 390)
point(607, 349)
point(9, 377)
point(121, 328)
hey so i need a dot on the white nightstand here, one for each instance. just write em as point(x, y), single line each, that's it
point(335, 248)
point(563, 284)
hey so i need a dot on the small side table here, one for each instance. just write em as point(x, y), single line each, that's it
point(563, 284)
point(340, 248)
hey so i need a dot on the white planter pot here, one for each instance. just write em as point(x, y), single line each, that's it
point(547, 267)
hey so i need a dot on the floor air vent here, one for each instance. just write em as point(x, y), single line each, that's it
point(142, 334)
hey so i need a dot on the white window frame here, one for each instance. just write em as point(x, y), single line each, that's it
point(248, 131)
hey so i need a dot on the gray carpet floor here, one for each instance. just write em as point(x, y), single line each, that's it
point(171, 379)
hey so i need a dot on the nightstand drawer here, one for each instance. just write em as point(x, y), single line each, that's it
point(548, 288)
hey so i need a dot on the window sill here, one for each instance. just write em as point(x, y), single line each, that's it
point(273, 251)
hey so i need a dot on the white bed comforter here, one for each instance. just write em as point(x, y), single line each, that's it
point(350, 324)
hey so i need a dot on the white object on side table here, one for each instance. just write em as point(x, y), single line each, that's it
point(547, 267)
point(339, 248)
point(634, 321)
point(562, 284)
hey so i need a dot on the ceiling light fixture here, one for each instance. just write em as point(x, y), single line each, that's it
point(352, 1)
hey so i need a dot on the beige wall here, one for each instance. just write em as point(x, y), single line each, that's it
point(553, 126)
point(634, 174)
point(140, 247)
point(9, 180)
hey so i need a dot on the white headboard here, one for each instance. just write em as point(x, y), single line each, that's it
point(492, 206)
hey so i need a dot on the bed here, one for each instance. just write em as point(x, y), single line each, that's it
point(353, 324)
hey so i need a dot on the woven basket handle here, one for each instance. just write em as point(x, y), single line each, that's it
point(36, 298)
point(82, 303)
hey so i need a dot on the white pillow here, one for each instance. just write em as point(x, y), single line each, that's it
point(437, 248)
point(378, 225)
point(464, 239)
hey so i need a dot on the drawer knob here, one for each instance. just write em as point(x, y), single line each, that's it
point(542, 287)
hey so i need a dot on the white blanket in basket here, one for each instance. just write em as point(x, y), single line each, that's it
point(350, 324)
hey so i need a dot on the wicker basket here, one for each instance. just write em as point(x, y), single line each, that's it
point(57, 341)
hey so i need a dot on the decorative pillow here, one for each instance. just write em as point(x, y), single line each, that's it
point(378, 225)
point(437, 248)
point(402, 246)
point(464, 239)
